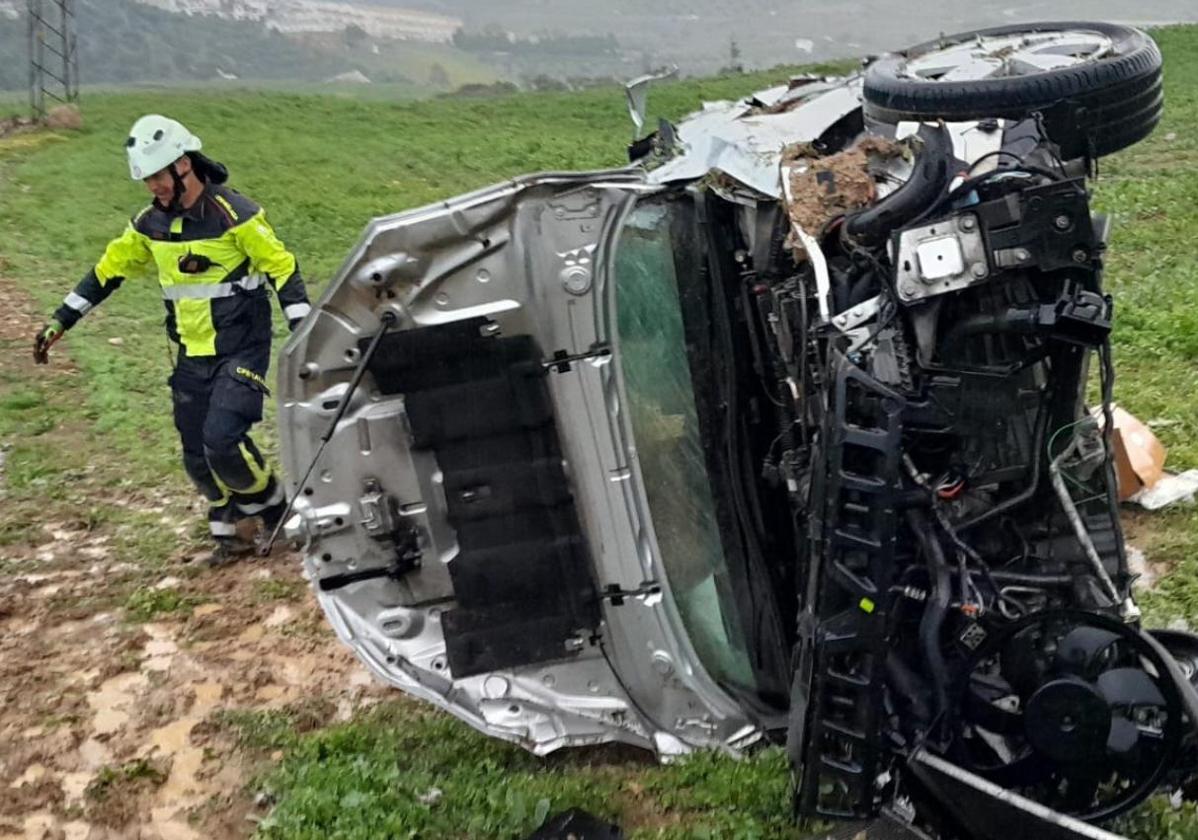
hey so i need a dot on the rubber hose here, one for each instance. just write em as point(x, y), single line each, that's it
point(932, 622)
point(926, 184)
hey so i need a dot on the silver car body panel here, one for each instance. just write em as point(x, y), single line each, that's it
point(533, 256)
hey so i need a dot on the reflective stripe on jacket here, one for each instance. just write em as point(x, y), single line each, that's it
point(213, 262)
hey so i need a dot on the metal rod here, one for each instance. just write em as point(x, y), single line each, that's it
point(66, 63)
point(1075, 520)
point(53, 40)
point(46, 26)
point(387, 319)
point(31, 8)
point(52, 76)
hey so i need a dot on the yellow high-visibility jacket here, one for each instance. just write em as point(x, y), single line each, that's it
point(214, 261)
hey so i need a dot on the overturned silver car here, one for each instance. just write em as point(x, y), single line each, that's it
point(779, 432)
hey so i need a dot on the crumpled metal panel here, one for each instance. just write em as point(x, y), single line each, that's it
point(530, 255)
point(744, 141)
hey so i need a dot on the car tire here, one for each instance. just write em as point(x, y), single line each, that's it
point(1090, 110)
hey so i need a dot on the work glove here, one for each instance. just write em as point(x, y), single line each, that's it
point(45, 340)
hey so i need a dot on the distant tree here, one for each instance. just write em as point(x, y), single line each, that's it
point(735, 65)
point(438, 77)
point(587, 82)
point(544, 81)
point(354, 35)
point(474, 89)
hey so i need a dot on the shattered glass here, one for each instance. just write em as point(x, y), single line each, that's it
point(666, 429)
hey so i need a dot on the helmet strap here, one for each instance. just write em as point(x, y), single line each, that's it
point(180, 188)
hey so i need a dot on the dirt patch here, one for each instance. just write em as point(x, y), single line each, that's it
point(10, 126)
point(81, 697)
point(104, 720)
point(114, 795)
point(59, 118)
point(33, 792)
point(822, 188)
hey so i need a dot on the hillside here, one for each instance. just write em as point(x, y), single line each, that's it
point(696, 33)
point(137, 689)
point(127, 42)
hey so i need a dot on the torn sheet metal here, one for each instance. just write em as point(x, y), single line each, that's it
point(637, 93)
point(976, 142)
point(730, 137)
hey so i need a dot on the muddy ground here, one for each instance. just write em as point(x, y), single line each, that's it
point(111, 727)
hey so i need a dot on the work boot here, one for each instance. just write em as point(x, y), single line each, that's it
point(228, 550)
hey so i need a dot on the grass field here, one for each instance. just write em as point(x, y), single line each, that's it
point(83, 440)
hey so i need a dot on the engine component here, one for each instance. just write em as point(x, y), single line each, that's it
point(941, 257)
point(1075, 710)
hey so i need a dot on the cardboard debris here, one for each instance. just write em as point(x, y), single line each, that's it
point(1139, 455)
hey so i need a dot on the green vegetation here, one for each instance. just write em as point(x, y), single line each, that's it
point(93, 446)
point(401, 771)
point(274, 589)
point(1151, 194)
point(272, 729)
point(145, 604)
point(109, 780)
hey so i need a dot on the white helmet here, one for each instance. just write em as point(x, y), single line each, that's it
point(155, 142)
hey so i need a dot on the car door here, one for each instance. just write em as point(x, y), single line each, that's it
point(490, 525)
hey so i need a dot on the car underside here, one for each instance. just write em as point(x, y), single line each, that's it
point(799, 428)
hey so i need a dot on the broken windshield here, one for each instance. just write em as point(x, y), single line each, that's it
point(657, 378)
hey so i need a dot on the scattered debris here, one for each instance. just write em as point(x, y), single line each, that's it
point(1139, 455)
point(430, 797)
point(116, 342)
point(826, 187)
point(1170, 490)
point(575, 823)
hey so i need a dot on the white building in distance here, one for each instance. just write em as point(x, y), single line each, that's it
point(292, 16)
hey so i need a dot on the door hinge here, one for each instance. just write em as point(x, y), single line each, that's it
point(649, 591)
point(561, 361)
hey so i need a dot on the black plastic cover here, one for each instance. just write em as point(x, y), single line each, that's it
point(522, 578)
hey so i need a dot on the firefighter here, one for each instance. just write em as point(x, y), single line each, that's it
point(215, 254)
